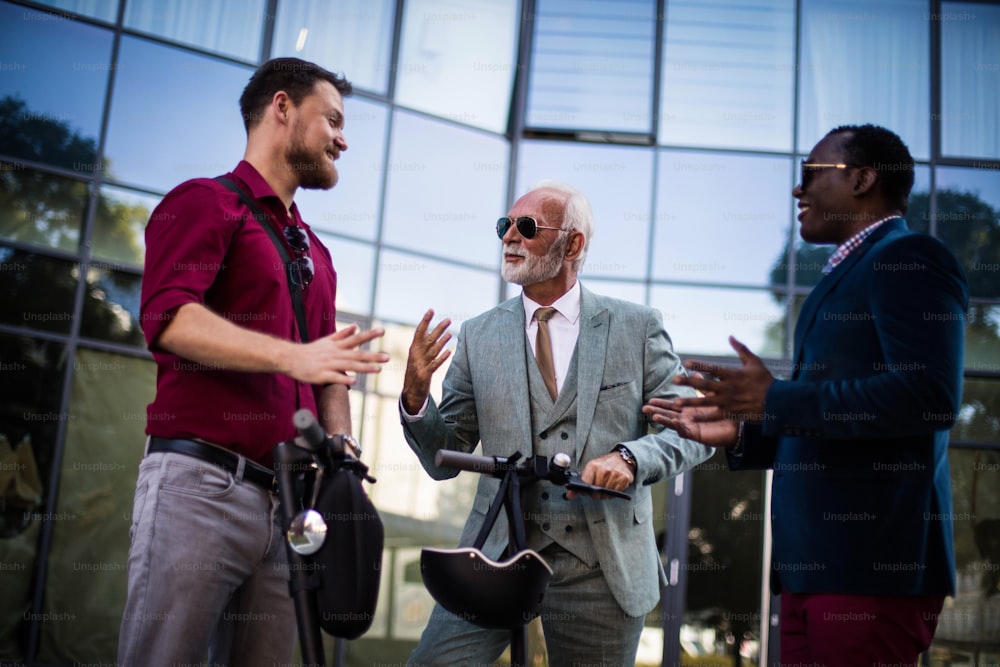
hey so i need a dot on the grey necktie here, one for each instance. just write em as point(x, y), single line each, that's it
point(543, 349)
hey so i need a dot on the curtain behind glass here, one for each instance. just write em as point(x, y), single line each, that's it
point(232, 27)
point(864, 62)
point(970, 80)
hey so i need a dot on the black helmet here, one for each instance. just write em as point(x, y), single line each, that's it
point(482, 591)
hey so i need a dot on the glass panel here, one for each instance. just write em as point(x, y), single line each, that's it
point(355, 266)
point(185, 144)
point(970, 79)
point(968, 221)
point(969, 627)
point(233, 27)
point(618, 183)
point(352, 207)
point(865, 62)
point(700, 320)
point(728, 74)
point(629, 291)
point(36, 291)
point(725, 551)
point(456, 59)
point(396, 343)
point(747, 226)
point(52, 90)
point(32, 376)
point(982, 338)
point(41, 209)
point(111, 309)
point(106, 10)
point(120, 225)
point(587, 52)
point(979, 416)
point(445, 190)
point(104, 442)
point(408, 285)
point(351, 35)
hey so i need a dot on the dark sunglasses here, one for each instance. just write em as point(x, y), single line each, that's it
point(526, 226)
point(810, 169)
point(300, 269)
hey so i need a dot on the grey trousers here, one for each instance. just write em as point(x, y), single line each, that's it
point(582, 622)
point(207, 570)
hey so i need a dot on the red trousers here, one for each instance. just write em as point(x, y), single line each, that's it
point(825, 630)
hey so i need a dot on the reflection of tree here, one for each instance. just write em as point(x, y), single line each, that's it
point(46, 210)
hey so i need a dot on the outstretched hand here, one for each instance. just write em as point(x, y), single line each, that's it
point(426, 355)
point(736, 393)
point(328, 360)
point(705, 425)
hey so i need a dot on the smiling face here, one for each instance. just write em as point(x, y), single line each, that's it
point(826, 205)
point(317, 138)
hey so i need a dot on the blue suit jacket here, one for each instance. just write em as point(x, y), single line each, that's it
point(624, 358)
point(858, 436)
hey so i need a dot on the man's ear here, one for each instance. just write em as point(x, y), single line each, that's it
point(575, 245)
point(865, 179)
point(281, 104)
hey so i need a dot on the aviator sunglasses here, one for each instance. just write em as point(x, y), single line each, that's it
point(526, 226)
point(810, 169)
point(300, 269)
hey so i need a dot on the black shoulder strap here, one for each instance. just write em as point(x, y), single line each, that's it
point(298, 305)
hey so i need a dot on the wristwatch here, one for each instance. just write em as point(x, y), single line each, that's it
point(350, 441)
point(627, 456)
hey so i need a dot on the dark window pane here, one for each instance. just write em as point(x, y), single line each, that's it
point(104, 442)
point(160, 145)
point(969, 626)
point(119, 228)
point(31, 377)
point(970, 79)
point(865, 62)
point(233, 27)
point(52, 89)
point(725, 546)
point(36, 291)
point(979, 416)
point(111, 309)
point(41, 209)
point(587, 53)
point(968, 221)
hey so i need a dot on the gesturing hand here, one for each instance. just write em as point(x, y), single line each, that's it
point(737, 393)
point(426, 355)
point(329, 359)
point(706, 425)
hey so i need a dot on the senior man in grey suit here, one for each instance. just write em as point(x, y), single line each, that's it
point(609, 358)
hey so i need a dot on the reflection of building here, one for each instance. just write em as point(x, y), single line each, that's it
point(685, 134)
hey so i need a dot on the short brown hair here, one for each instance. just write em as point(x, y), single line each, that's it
point(296, 77)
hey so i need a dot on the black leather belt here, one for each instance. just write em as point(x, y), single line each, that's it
point(223, 458)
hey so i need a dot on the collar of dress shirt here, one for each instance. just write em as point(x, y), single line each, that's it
point(568, 305)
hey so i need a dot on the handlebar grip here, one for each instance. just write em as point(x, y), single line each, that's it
point(447, 458)
point(305, 421)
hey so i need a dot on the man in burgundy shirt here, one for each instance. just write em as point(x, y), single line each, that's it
point(207, 569)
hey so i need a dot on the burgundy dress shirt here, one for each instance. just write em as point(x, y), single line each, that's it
point(204, 246)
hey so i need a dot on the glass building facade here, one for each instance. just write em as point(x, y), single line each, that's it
point(683, 121)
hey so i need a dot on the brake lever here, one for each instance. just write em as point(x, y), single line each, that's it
point(575, 483)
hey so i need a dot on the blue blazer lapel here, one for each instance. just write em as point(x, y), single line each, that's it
point(591, 350)
point(807, 316)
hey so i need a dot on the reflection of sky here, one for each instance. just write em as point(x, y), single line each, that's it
point(64, 84)
point(174, 116)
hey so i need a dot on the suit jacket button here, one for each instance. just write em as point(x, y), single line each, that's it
point(543, 435)
point(545, 496)
point(564, 435)
point(545, 525)
point(569, 529)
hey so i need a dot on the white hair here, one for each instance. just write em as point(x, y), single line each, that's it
point(576, 215)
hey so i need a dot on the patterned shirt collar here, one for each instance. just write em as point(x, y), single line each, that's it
point(848, 246)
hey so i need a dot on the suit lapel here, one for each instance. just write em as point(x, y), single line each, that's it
point(513, 376)
point(810, 308)
point(591, 350)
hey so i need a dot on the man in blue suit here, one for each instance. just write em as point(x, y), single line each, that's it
point(863, 551)
point(608, 357)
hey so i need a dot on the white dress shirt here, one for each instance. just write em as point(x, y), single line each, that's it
point(564, 329)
